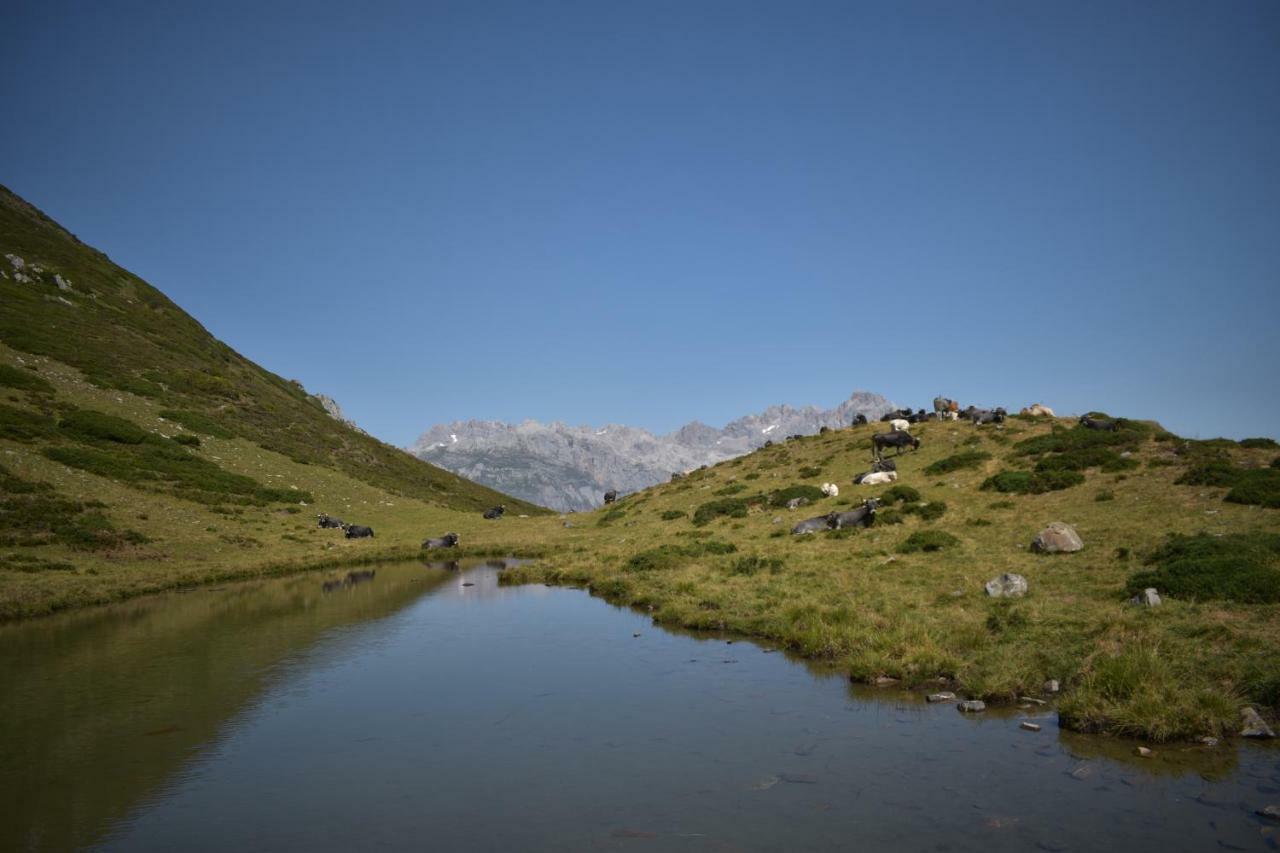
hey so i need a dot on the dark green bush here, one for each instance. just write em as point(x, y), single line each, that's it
point(1087, 457)
point(99, 426)
point(957, 462)
point(1257, 486)
point(610, 517)
point(731, 489)
point(753, 563)
point(979, 522)
point(1033, 483)
point(711, 510)
point(187, 439)
point(23, 424)
point(927, 540)
point(931, 511)
point(1241, 567)
point(780, 497)
point(754, 475)
point(900, 494)
point(1275, 463)
point(23, 380)
point(670, 556)
point(673, 514)
point(197, 422)
point(809, 472)
point(1255, 443)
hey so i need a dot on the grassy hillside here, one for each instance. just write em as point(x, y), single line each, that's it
point(137, 452)
point(905, 599)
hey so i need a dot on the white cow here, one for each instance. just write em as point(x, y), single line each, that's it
point(899, 425)
point(878, 478)
point(831, 490)
point(1037, 410)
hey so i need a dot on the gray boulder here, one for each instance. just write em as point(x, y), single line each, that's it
point(1252, 725)
point(972, 706)
point(1057, 538)
point(1147, 598)
point(1007, 586)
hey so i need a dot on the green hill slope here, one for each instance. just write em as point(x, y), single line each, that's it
point(137, 451)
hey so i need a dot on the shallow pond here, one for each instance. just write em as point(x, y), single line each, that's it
point(427, 707)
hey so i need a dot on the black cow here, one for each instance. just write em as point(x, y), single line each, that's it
point(610, 496)
point(881, 440)
point(677, 476)
point(859, 419)
point(824, 430)
point(812, 525)
point(919, 417)
point(449, 540)
point(329, 521)
point(904, 414)
point(1103, 424)
point(494, 513)
point(769, 443)
point(863, 516)
point(358, 531)
point(882, 465)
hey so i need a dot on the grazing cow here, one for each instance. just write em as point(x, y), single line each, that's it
point(987, 416)
point(811, 525)
point(878, 478)
point(831, 490)
point(881, 440)
point(610, 496)
point(1103, 424)
point(863, 516)
point(1036, 410)
point(859, 419)
point(329, 521)
point(900, 425)
point(494, 513)
point(449, 540)
point(922, 416)
point(678, 475)
point(824, 430)
point(358, 531)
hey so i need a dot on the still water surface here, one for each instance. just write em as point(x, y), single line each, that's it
point(431, 708)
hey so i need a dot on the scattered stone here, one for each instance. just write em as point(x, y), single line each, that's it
point(796, 503)
point(1272, 811)
point(972, 706)
point(1029, 726)
point(944, 696)
point(1252, 725)
point(62, 283)
point(1052, 686)
point(1081, 772)
point(1147, 598)
point(1007, 586)
point(1209, 741)
point(1057, 538)
point(1143, 752)
point(883, 680)
point(1032, 700)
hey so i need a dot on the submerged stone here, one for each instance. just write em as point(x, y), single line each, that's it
point(972, 706)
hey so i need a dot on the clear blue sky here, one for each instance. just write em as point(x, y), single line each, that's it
point(653, 212)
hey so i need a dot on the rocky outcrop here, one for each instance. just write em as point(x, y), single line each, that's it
point(571, 467)
point(335, 411)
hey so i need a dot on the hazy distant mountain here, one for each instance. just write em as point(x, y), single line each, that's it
point(570, 467)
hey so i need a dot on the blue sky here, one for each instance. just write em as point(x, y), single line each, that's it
point(648, 213)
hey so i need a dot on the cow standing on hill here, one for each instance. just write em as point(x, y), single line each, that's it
point(610, 496)
point(494, 513)
point(881, 440)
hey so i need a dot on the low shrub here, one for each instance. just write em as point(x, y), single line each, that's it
point(1032, 482)
point(727, 507)
point(808, 472)
point(889, 516)
point(23, 380)
point(957, 462)
point(979, 522)
point(187, 439)
point(1256, 486)
point(673, 514)
point(670, 556)
point(23, 424)
point(931, 511)
point(87, 424)
point(1253, 443)
point(731, 489)
point(1087, 457)
point(900, 494)
point(197, 422)
point(754, 475)
point(782, 496)
point(928, 541)
point(610, 517)
point(1240, 567)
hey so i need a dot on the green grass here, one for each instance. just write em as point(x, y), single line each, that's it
point(900, 494)
point(780, 498)
point(928, 541)
point(725, 507)
point(666, 557)
point(197, 422)
point(23, 380)
point(1255, 486)
point(1032, 482)
point(86, 424)
point(673, 514)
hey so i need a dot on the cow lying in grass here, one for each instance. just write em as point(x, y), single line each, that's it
point(358, 531)
point(329, 521)
point(876, 478)
point(449, 540)
point(863, 516)
point(494, 513)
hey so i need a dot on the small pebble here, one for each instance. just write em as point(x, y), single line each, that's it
point(1031, 727)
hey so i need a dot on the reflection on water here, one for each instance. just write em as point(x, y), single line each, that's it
point(427, 707)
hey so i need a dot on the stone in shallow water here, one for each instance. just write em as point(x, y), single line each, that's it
point(944, 696)
point(1252, 725)
point(1007, 586)
point(1144, 752)
point(1272, 812)
point(1057, 538)
point(1029, 726)
point(972, 706)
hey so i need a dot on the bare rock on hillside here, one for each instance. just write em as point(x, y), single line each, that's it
point(1057, 538)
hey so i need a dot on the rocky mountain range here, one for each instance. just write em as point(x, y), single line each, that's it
point(570, 467)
